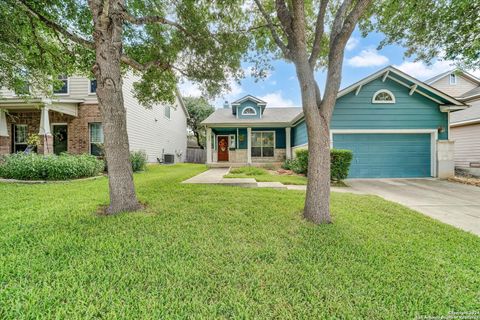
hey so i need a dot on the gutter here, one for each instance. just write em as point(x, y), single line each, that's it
point(465, 122)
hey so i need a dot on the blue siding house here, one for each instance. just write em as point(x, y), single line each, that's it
point(396, 126)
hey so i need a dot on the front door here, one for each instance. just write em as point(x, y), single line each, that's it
point(222, 148)
point(60, 138)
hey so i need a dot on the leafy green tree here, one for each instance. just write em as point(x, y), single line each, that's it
point(430, 29)
point(160, 41)
point(311, 35)
point(198, 110)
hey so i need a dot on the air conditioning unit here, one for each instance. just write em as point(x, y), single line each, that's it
point(168, 158)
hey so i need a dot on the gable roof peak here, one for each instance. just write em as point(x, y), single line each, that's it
point(455, 70)
point(249, 97)
point(408, 81)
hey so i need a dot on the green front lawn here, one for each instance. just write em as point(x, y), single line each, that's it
point(224, 252)
point(262, 175)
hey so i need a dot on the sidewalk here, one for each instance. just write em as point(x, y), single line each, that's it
point(215, 176)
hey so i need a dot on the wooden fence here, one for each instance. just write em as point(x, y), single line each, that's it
point(195, 155)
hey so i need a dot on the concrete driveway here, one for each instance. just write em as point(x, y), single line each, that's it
point(453, 203)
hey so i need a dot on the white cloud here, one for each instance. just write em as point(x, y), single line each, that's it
point(368, 58)
point(352, 43)
point(189, 88)
point(276, 100)
point(422, 71)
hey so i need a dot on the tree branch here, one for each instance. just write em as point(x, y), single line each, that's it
point(286, 52)
point(143, 66)
point(339, 19)
point(152, 20)
point(56, 27)
point(343, 32)
point(319, 30)
point(284, 16)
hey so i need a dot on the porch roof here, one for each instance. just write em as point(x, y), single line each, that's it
point(270, 117)
point(64, 105)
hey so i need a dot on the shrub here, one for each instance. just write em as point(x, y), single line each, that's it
point(249, 171)
point(340, 161)
point(138, 160)
point(288, 164)
point(301, 161)
point(52, 167)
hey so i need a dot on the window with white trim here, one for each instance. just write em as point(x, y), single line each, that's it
point(232, 142)
point(20, 134)
point(96, 138)
point(383, 96)
point(63, 88)
point(263, 144)
point(453, 78)
point(93, 86)
point(167, 112)
point(249, 111)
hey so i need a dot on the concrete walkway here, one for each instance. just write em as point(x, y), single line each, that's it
point(215, 176)
point(450, 202)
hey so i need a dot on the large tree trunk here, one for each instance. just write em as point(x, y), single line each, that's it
point(108, 24)
point(317, 200)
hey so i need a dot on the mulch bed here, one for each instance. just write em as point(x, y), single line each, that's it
point(473, 181)
point(284, 172)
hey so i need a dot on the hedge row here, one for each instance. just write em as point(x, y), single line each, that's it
point(340, 161)
point(38, 167)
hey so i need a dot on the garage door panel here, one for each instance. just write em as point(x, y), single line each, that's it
point(387, 155)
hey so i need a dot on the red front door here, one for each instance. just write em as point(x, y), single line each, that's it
point(222, 148)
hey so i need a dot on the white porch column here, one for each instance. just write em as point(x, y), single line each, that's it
point(209, 145)
point(249, 145)
point(44, 122)
point(3, 124)
point(288, 142)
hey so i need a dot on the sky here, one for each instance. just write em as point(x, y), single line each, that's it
point(281, 89)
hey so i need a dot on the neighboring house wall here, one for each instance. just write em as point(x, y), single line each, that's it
point(467, 144)
point(358, 112)
point(78, 88)
point(463, 85)
point(78, 130)
point(148, 128)
point(151, 131)
point(78, 133)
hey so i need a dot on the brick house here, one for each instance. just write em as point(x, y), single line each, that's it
point(70, 121)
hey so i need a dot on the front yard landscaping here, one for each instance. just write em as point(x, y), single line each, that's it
point(212, 251)
point(264, 175)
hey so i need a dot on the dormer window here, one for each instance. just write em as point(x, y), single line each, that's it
point(249, 111)
point(383, 96)
point(63, 89)
point(453, 79)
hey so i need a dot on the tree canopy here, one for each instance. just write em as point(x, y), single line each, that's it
point(163, 41)
point(198, 110)
point(430, 29)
